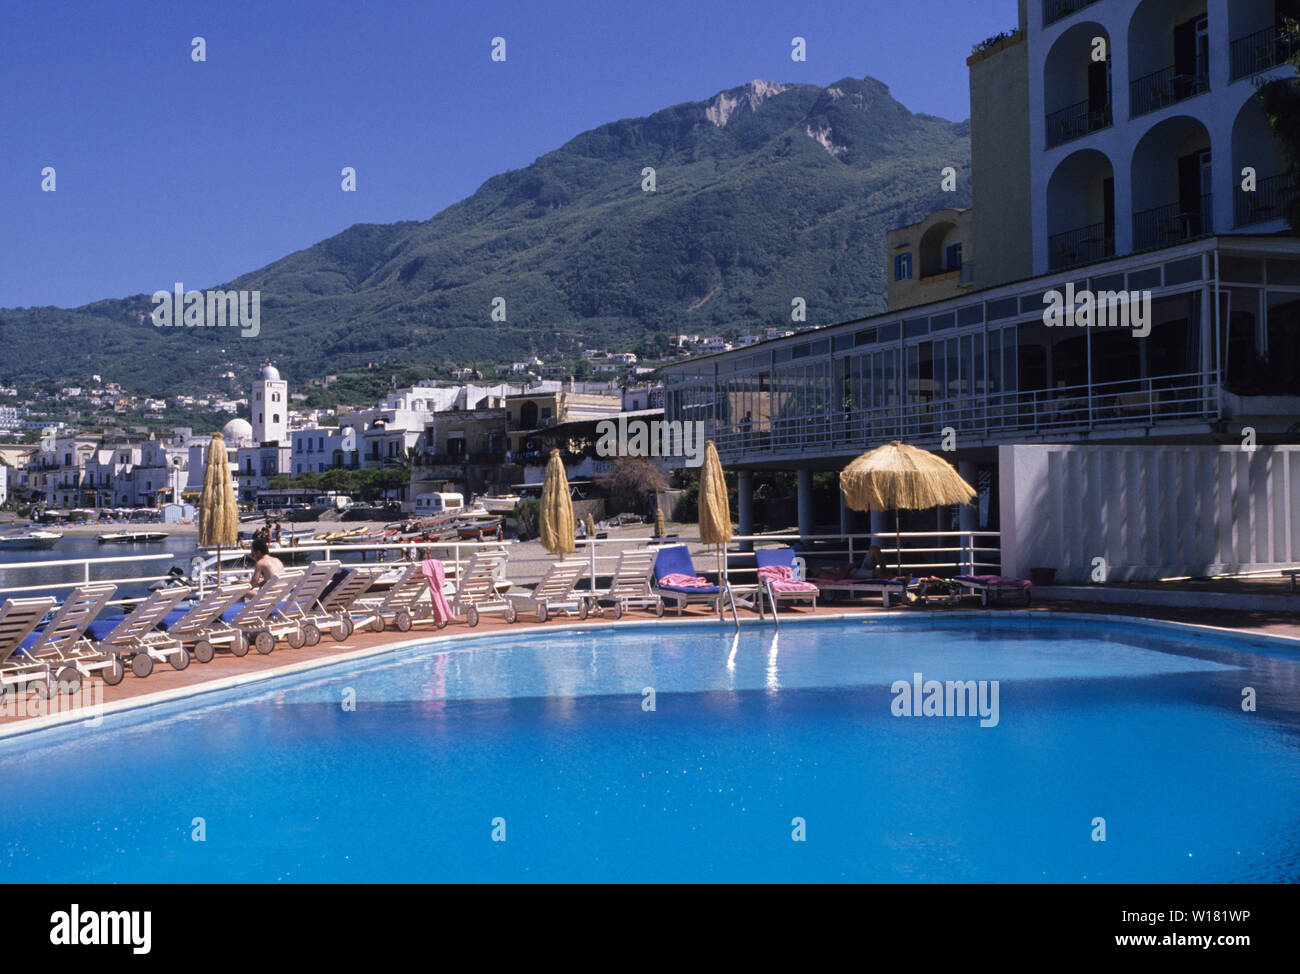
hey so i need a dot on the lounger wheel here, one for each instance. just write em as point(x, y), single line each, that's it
point(659, 610)
point(112, 673)
point(618, 610)
point(204, 651)
point(377, 624)
point(440, 624)
point(239, 646)
point(40, 686)
point(296, 639)
point(583, 610)
point(402, 621)
point(471, 616)
point(311, 633)
point(68, 680)
point(511, 613)
point(180, 660)
point(542, 614)
point(342, 631)
point(264, 642)
point(142, 665)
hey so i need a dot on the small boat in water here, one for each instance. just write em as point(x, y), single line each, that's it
point(29, 540)
point(132, 537)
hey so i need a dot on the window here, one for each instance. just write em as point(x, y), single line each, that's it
point(952, 257)
point(903, 267)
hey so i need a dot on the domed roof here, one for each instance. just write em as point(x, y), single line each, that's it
point(270, 372)
point(238, 432)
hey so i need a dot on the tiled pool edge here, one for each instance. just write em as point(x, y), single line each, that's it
point(445, 641)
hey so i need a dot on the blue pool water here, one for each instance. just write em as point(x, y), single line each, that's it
point(1137, 725)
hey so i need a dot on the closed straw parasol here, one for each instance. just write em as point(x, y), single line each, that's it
point(661, 528)
point(556, 528)
point(715, 513)
point(898, 477)
point(591, 525)
point(218, 509)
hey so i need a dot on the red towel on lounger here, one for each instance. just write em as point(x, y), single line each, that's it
point(781, 578)
point(435, 574)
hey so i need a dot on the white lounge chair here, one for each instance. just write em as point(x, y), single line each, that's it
point(256, 620)
point(62, 642)
point(555, 592)
point(478, 589)
point(630, 586)
point(138, 640)
point(302, 607)
point(337, 603)
point(401, 602)
point(18, 618)
point(201, 629)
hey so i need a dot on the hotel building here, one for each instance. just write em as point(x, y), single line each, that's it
point(1111, 146)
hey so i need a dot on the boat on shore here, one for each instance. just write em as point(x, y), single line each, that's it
point(502, 504)
point(132, 537)
point(29, 540)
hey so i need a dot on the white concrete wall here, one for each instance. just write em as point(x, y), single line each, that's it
point(1150, 511)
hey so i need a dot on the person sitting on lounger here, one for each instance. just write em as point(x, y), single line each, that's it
point(267, 565)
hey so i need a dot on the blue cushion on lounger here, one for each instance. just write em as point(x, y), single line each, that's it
point(774, 557)
point(676, 560)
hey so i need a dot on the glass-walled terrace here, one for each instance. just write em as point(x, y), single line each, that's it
point(991, 370)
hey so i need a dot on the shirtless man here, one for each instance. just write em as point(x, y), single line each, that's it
point(267, 565)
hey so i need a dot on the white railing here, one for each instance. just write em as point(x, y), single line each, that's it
point(927, 552)
point(1065, 409)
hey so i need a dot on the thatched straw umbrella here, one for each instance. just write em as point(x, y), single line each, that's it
point(556, 527)
point(591, 525)
point(901, 477)
point(218, 509)
point(715, 513)
point(661, 528)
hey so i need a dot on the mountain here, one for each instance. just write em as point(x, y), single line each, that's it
point(763, 193)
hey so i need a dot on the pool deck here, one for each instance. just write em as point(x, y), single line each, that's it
point(225, 670)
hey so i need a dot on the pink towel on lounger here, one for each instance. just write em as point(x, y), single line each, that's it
point(435, 574)
point(781, 578)
point(679, 580)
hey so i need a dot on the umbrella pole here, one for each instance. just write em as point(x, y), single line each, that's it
point(898, 543)
point(218, 564)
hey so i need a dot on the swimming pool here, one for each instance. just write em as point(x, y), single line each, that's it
point(550, 744)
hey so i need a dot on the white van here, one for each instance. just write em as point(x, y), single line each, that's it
point(438, 502)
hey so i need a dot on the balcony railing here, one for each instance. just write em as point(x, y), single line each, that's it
point(1054, 10)
point(1165, 87)
point(1064, 410)
point(1259, 52)
point(1171, 224)
point(1266, 203)
point(1084, 245)
point(1076, 121)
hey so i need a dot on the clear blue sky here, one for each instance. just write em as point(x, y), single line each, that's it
point(170, 170)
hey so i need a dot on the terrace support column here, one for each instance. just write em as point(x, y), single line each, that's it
point(846, 516)
point(880, 527)
point(745, 505)
point(805, 500)
point(968, 519)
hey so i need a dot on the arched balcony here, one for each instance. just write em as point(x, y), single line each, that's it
point(940, 249)
point(1172, 184)
point(1169, 54)
point(1255, 147)
point(1081, 210)
point(1077, 88)
point(1258, 44)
